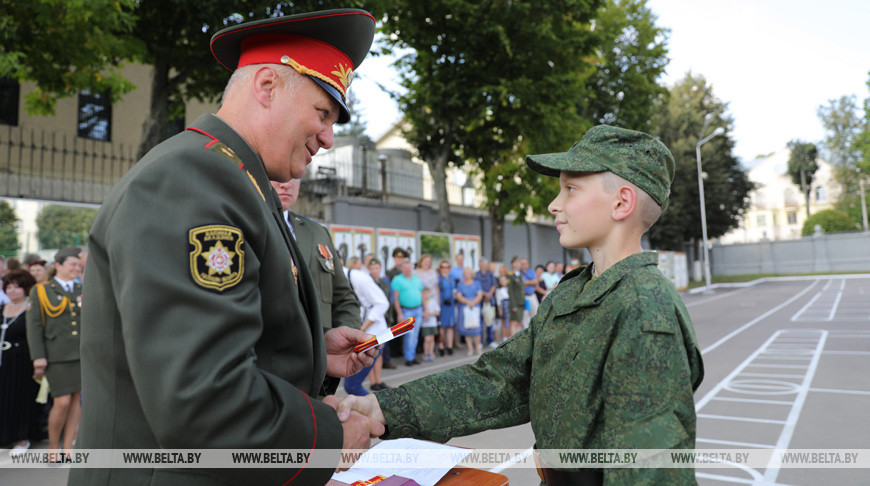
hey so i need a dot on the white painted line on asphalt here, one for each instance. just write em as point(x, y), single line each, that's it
point(775, 462)
point(740, 419)
point(827, 285)
point(729, 479)
point(836, 303)
point(757, 319)
point(753, 400)
point(813, 300)
point(846, 392)
point(771, 375)
point(510, 462)
point(734, 443)
point(798, 367)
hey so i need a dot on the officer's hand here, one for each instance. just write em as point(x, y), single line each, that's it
point(359, 430)
point(367, 405)
point(39, 366)
point(340, 359)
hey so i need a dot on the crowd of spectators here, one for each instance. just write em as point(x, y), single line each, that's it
point(458, 307)
point(27, 413)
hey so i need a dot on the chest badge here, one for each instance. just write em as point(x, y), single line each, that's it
point(327, 256)
point(217, 257)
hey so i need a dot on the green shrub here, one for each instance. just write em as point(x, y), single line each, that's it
point(830, 220)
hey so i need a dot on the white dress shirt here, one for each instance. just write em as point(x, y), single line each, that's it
point(373, 302)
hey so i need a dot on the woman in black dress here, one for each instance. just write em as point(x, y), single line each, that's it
point(19, 412)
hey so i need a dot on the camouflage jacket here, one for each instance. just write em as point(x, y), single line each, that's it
point(612, 367)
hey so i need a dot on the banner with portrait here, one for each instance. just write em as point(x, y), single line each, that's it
point(388, 240)
point(469, 247)
point(353, 241)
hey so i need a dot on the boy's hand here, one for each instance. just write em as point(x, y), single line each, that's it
point(367, 405)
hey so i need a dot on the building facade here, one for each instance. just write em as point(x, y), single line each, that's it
point(778, 209)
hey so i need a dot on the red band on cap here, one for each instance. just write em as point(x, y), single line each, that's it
point(304, 54)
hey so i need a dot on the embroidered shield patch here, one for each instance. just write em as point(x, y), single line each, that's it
point(217, 260)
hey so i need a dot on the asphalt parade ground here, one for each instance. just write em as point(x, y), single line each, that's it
point(786, 363)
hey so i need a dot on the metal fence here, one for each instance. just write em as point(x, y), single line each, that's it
point(36, 164)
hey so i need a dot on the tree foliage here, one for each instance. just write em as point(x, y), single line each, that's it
point(177, 45)
point(831, 221)
point(802, 167)
point(842, 124)
point(65, 46)
point(680, 120)
point(69, 45)
point(629, 61)
point(478, 74)
point(8, 235)
point(64, 226)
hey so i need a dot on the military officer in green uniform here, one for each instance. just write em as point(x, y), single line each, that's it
point(202, 328)
point(53, 326)
point(610, 361)
point(338, 304)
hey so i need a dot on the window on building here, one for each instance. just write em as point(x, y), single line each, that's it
point(791, 198)
point(10, 91)
point(792, 218)
point(821, 194)
point(761, 220)
point(95, 116)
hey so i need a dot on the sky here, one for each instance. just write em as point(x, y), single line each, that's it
point(773, 61)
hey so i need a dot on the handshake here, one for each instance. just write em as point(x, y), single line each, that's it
point(361, 418)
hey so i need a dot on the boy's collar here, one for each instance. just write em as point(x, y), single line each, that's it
point(606, 281)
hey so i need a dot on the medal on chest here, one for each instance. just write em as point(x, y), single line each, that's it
point(327, 256)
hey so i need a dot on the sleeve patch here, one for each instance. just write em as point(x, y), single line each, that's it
point(217, 257)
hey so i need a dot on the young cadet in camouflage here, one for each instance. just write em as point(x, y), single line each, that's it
point(610, 361)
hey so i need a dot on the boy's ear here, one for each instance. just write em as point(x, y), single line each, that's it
point(625, 203)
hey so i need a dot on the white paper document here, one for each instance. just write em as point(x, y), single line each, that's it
point(420, 460)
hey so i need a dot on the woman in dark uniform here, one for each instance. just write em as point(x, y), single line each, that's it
point(19, 412)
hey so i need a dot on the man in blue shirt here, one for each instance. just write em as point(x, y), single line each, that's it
point(486, 278)
point(530, 279)
point(408, 300)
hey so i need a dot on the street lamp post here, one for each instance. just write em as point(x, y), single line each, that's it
point(863, 199)
point(718, 131)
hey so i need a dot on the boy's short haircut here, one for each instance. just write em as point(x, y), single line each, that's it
point(637, 157)
point(647, 209)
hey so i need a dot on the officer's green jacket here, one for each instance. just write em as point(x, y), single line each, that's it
point(54, 338)
point(201, 327)
point(338, 304)
point(610, 367)
point(516, 291)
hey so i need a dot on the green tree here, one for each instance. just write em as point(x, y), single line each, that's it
point(356, 127)
point(630, 60)
point(843, 124)
point(63, 226)
point(802, 167)
point(680, 120)
point(176, 37)
point(831, 221)
point(479, 75)
point(9, 245)
point(170, 35)
point(65, 46)
point(436, 245)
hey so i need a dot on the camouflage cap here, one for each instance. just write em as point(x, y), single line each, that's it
point(637, 157)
